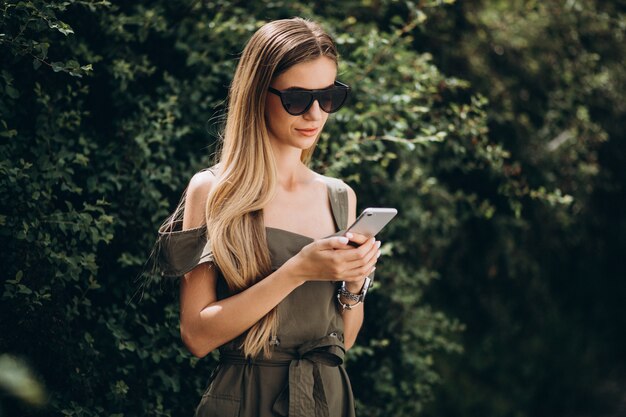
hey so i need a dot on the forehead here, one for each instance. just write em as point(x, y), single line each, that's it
point(315, 74)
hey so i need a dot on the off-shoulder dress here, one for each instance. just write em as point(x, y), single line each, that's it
point(305, 376)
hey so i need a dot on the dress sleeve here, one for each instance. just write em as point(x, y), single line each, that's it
point(181, 251)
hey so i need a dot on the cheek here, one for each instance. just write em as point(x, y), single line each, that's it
point(276, 118)
point(274, 112)
point(272, 104)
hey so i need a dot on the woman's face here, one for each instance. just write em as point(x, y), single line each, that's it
point(299, 131)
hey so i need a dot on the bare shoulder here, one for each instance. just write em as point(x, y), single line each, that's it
point(201, 181)
point(198, 191)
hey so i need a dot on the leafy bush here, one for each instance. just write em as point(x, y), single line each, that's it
point(543, 320)
point(107, 111)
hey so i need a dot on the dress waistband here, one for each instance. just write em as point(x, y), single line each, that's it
point(304, 394)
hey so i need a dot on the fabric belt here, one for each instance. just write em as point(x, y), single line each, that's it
point(304, 394)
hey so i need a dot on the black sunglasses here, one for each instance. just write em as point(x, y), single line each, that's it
point(297, 102)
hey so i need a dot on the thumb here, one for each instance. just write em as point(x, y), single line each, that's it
point(335, 242)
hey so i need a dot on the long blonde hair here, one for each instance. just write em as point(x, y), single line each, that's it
point(247, 173)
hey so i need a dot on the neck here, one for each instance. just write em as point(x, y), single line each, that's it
point(291, 171)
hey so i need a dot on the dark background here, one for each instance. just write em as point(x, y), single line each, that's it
point(495, 128)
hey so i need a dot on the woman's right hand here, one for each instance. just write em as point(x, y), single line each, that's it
point(333, 259)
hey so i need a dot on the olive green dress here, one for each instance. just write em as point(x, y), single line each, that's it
point(305, 376)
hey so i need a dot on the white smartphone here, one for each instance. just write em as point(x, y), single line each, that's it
point(371, 221)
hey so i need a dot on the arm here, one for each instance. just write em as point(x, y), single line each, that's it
point(352, 319)
point(205, 322)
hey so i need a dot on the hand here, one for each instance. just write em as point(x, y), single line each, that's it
point(333, 259)
point(356, 240)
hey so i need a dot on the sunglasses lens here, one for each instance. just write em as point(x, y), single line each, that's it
point(296, 102)
point(299, 102)
point(331, 100)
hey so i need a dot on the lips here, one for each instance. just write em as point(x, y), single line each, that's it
point(309, 131)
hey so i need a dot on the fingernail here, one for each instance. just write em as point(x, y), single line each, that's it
point(373, 269)
point(378, 254)
point(378, 244)
point(343, 240)
point(349, 235)
point(373, 239)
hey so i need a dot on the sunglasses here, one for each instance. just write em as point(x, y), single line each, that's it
point(297, 102)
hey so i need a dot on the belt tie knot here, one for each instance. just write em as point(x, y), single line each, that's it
point(304, 394)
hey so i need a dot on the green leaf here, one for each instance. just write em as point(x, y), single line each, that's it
point(57, 66)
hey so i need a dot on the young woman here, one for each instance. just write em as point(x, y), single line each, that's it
point(267, 275)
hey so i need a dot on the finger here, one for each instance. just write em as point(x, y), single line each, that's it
point(335, 242)
point(361, 252)
point(352, 243)
point(360, 257)
point(361, 269)
point(373, 254)
point(358, 273)
point(357, 238)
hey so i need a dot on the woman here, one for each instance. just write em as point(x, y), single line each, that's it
point(261, 252)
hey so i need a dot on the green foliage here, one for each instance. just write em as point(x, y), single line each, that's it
point(541, 312)
point(108, 109)
point(410, 127)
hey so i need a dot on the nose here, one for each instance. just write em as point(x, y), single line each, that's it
point(314, 112)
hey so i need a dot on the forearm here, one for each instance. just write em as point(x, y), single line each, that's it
point(223, 320)
point(353, 318)
point(352, 321)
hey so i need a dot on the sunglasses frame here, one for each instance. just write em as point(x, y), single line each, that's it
point(313, 94)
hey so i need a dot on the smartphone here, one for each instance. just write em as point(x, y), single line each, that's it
point(371, 221)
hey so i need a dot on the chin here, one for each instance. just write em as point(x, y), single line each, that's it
point(298, 142)
point(306, 144)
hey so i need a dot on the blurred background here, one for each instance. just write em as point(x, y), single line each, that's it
point(494, 127)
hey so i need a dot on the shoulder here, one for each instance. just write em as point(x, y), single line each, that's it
point(197, 193)
point(351, 195)
point(351, 203)
point(341, 185)
point(337, 182)
point(201, 183)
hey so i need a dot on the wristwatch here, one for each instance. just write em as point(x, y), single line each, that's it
point(357, 298)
